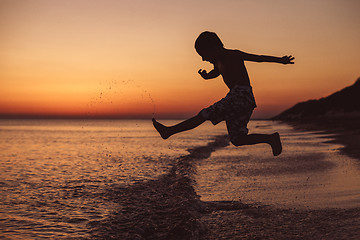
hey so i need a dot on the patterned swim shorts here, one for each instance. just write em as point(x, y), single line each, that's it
point(235, 108)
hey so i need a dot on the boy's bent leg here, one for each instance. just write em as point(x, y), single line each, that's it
point(272, 139)
point(166, 132)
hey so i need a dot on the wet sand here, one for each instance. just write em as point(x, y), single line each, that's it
point(345, 132)
point(262, 222)
point(234, 220)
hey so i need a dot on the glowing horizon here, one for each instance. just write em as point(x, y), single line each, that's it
point(136, 58)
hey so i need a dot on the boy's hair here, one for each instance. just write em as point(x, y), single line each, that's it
point(207, 41)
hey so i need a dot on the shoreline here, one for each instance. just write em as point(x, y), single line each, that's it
point(235, 220)
point(345, 132)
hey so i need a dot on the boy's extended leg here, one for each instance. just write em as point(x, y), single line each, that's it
point(272, 139)
point(188, 124)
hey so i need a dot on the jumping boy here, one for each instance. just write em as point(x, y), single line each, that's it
point(238, 105)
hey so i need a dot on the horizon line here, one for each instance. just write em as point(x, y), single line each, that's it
point(97, 117)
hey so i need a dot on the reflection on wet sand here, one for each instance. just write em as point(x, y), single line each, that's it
point(309, 174)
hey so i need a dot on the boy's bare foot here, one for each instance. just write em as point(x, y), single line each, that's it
point(276, 144)
point(163, 130)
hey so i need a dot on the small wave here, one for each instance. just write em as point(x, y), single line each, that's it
point(165, 208)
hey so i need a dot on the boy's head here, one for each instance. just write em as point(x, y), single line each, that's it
point(207, 44)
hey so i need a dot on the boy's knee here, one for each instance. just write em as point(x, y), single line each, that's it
point(239, 140)
point(200, 116)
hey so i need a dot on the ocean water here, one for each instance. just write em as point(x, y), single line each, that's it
point(55, 173)
point(102, 179)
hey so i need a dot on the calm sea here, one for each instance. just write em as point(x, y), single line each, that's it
point(57, 176)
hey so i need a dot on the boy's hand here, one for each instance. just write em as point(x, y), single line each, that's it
point(287, 59)
point(203, 73)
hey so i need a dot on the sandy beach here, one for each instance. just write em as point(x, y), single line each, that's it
point(235, 220)
point(346, 132)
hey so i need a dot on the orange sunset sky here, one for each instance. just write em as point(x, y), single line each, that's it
point(136, 58)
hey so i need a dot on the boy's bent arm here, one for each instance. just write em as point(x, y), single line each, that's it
point(264, 58)
point(209, 75)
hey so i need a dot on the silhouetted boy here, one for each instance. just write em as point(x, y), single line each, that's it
point(238, 105)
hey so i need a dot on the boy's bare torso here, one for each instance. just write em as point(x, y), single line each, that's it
point(230, 65)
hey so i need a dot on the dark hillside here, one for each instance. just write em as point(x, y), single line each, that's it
point(342, 104)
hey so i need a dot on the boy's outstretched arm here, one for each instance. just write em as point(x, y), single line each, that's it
point(208, 75)
point(264, 58)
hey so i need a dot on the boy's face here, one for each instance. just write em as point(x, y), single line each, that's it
point(208, 55)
